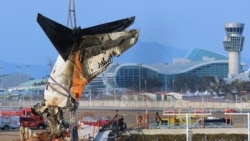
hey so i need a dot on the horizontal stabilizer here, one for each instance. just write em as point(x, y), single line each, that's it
point(63, 37)
point(114, 26)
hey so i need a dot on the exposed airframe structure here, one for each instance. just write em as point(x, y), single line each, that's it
point(83, 54)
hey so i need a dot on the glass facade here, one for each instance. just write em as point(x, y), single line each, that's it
point(97, 83)
point(134, 76)
point(219, 70)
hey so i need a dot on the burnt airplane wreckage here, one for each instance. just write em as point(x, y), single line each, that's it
point(83, 54)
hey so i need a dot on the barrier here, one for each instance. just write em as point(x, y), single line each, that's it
point(179, 104)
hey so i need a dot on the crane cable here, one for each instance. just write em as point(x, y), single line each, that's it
point(72, 22)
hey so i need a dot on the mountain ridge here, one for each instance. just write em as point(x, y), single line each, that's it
point(142, 52)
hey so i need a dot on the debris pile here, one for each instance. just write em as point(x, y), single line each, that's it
point(44, 135)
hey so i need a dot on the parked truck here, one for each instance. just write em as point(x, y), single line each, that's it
point(33, 122)
point(27, 119)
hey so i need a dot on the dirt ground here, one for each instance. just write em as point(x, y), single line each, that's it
point(129, 118)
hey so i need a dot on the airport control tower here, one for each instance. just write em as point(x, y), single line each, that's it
point(233, 44)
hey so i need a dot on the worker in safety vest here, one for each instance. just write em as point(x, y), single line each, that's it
point(22, 133)
point(138, 120)
point(158, 118)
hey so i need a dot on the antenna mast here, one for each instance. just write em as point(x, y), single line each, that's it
point(72, 15)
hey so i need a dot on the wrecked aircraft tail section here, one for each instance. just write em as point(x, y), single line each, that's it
point(84, 53)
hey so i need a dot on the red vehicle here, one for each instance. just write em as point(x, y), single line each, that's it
point(96, 121)
point(17, 112)
point(105, 122)
point(27, 119)
point(33, 122)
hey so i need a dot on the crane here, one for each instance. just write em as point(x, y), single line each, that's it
point(71, 15)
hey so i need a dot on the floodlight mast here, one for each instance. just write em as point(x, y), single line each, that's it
point(71, 15)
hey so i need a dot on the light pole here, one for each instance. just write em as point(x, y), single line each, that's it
point(28, 67)
point(173, 85)
point(139, 65)
point(90, 95)
point(1, 81)
point(186, 87)
point(236, 96)
point(29, 85)
point(18, 81)
point(18, 67)
point(166, 89)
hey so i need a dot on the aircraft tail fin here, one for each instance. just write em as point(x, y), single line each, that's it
point(60, 35)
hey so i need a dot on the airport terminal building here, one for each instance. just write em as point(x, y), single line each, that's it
point(134, 77)
point(197, 62)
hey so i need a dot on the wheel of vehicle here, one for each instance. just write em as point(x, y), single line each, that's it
point(41, 126)
point(6, 127)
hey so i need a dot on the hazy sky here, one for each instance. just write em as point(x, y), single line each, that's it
point(183, 24)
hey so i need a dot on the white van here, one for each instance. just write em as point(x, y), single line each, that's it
point(9, 122)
